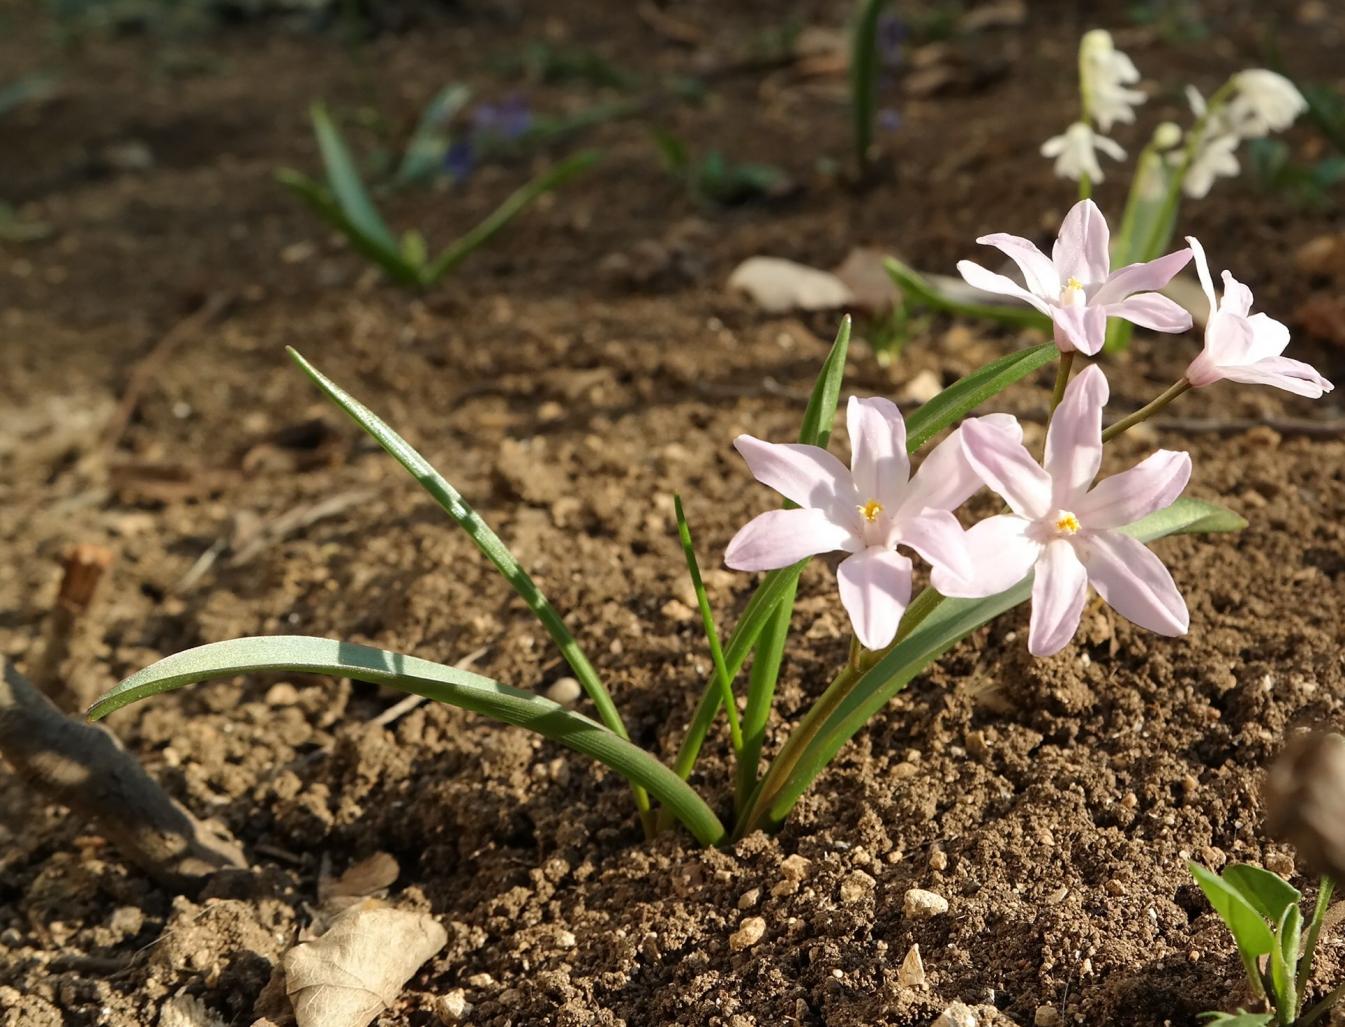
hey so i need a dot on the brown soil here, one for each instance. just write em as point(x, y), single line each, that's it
point(1053, 803)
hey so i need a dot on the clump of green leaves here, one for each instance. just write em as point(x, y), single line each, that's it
point(715, 179)
point(1261, 911)
point(343, 200)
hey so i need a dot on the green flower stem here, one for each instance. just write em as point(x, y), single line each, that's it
point(1061, 379)
point(1147, 411)
point(762, 680)
point(1314, 932)
point(796, 745)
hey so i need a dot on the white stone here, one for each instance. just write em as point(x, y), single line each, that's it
point(920, 904)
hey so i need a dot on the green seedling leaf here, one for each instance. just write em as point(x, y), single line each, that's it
point(486, 541)
point(915, 288)
point(950, 622)
point(1268, 893)
point(1241, 1018)
point(305, 655)
point(320, 199)
point(1248, 927)
point(551, 178)
point(966, 394)
point(347, 188)
point(863, 79)
point(423, 158)
point(1284, 963)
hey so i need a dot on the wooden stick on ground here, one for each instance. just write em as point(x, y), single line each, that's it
point(83, 569)
point(83, 767)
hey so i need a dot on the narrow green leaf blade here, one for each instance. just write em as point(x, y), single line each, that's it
point(1284, 961)
point(950, 622)
point(423, 157)
point(1249, 930)
point(1241, 1018)
point(486, 541)
point(307, 655)
point(966, 394)
point(914, 285)
point(320, 199)
point(820, 415)
point(552, 178)
point(346, 185)
point(1269, 894)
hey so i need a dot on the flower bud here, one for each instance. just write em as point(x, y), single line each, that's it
point(1167, 135)
point(1305, 801)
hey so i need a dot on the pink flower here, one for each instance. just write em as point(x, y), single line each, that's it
point(1076, 288)
point(1064, 529)
point(1246, 347)
point(866, 511)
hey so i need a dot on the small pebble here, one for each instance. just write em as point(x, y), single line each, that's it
point(794, 868)
point(565, 691)
point(911, 973)
point(938, 860)
point(1046, 1016)
point(856, 887)
point(920, 904)
point(565, 940)
point(1280, 863)
point(452, 1007)
point(749, 898)
point(749, 932)
point(959, 1014)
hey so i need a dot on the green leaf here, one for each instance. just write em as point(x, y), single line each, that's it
point(1284, 963)
point(512, 207)
point(486, 541)
point(343, 178)
point(305, 655)
point(950, 622)
point(1268, 893)
point(1241, 1018)
point(1247, 926)
point(915, 288)
point(320, 199)
point(966, 394)
point(820, 415)
point(863, 79)
point(423, 158)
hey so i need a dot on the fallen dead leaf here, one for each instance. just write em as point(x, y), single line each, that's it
point(365, 878)
point(777, 285)
point(358, 968)
point(864, 275)
point(187, 1011)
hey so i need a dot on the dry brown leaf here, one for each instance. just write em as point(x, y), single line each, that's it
point(367, 877)
point(864, 275)
point(778, 285)
point(187, 1011)
point(357, 969)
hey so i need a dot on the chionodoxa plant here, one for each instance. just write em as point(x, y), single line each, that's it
point(1060, 534)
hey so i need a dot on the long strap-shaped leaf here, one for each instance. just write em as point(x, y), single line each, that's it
point(305, 655)
point(951, 621)
point(486, 540)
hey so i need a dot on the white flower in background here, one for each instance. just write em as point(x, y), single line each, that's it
point(1075, 152)
point(1214, 159)
point(1105, 75)
point(1264, 102)
point(1167, 135)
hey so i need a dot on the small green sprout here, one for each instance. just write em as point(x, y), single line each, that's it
point(1261, 911)
point(344, 201)
point(716, 180)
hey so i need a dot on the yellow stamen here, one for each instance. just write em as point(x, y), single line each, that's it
point(1073, 283)
point(871, 510)
point(1068, 524)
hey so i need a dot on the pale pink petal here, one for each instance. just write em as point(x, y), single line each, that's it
point(1001, 553)
point(878, 461)
point(1082, 328)
point(987, 281)
point(939, 539)
point(875, 590)
point(1203, 272)
point(1081, 250)
point(1237, 297)
point(1283, 373)
point(1074, 439)
point(779, 538)
point(1229, 339)
point(1269, 337)
point(1152, 310)
point(944, 480)
point(806, 475)
point(1135, 584)
point(1058, 594)
point(1143, 277)
point(1038, 271)
point(1008, 468)
point(1152, 484)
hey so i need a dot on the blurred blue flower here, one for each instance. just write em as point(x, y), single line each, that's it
point(492, 124)
point(891, 33)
